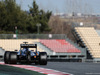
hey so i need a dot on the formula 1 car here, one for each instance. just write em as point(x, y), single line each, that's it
point(25, 55)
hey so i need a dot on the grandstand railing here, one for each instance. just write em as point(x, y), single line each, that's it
point(75, 24)
point(33, 36)
point(83, 50)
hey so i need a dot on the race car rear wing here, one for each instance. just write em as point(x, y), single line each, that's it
point(28, 45)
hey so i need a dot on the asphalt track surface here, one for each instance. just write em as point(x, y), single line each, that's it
point(75, 68)
point(9, 70)
point(26, 69)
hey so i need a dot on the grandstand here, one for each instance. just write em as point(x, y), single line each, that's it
point(60, 46)
point(91, 40)
point(62, 49)
point(56, 47)
point(14, 44)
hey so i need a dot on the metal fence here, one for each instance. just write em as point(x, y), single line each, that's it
point(77, 24)
point(32, 36)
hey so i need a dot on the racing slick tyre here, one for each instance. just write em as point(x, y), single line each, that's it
point(43, 58)
point(36, 63)
point(28, 58)
point(6, 57)
point(13, 58)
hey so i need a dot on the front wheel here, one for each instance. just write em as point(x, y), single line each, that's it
point(43, 58)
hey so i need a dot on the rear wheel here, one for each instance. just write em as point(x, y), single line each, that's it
point(36, 63)
point(28, 58)
point(13, 58)
point(43, 58)
point(6, 57)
